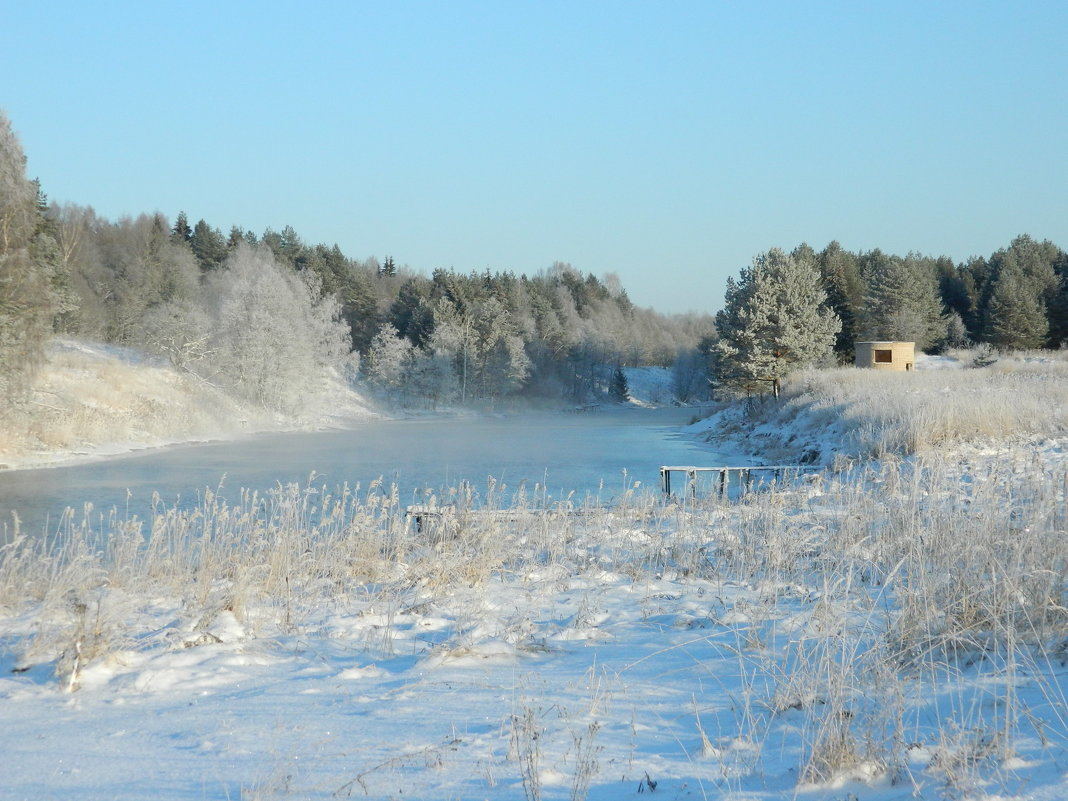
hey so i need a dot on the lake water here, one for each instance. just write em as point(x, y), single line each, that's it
point(581, 452)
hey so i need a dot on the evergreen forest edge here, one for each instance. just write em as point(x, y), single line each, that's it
point(261, 316)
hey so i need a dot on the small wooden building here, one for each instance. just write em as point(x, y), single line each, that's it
point(886, 355)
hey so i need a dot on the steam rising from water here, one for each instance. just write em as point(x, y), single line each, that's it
point(585, 453)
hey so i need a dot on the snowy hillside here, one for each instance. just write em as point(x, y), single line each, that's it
point(649, 386)
point(94, 400)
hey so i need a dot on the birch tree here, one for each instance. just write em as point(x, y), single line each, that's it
point(272, 340)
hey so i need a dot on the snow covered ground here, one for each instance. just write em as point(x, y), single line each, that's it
point(91, 401)
point(895, 630)
point(841, 417)
point(649, 386)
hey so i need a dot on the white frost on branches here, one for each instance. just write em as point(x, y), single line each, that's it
point(775, 320)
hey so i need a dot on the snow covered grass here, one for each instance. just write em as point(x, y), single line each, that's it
point(887, 630)
point(891, 631)
point(94, 400)
point(844, 415)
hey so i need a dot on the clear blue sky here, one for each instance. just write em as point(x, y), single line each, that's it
point(667, 142)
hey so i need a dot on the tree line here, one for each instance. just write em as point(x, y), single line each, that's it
point(806, 307)
point(263, 315)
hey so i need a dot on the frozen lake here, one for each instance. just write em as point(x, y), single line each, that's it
point(581, 452)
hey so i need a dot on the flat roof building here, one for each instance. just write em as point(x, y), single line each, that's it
point(886, 355)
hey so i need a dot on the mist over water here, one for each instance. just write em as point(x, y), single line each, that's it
point(585, 453)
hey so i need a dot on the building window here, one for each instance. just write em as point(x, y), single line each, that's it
point(884, 357)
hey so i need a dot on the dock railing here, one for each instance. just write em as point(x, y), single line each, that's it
point(746, 478)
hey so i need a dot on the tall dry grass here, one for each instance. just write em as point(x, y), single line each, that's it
point(917, 573)
point(872, 414)
point(892, 608)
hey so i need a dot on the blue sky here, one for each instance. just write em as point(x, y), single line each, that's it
point(667, 142)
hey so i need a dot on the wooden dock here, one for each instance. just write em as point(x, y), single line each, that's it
point(746, 477)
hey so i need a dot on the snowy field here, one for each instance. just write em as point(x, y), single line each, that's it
point(891, 629)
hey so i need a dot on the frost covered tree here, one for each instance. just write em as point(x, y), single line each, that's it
point(273, 337)
point(488, 354)
point(181, 331)
point(956, 333)
point(775, 319)
point(120, 271)
point(433, 369)
point(388, 359)
point(30, 275)
point(496, 353)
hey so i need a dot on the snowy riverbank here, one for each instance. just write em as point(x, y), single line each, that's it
point(317, 647)
point(890, 632)
point(92, 401)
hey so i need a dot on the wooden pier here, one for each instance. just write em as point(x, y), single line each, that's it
point(764, 475)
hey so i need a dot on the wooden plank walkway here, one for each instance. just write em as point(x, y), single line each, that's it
point(764, 473)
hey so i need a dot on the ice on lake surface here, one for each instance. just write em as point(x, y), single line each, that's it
point(581, 452)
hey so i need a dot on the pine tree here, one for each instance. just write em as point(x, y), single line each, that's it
point(236, 237)
point(902, 300)
point(411, 313)
point(845, 294)
point(1058, 310)
point(775, 319)
point(181, 232)
point(208, 246)
point(617, 388)
point(290, 245)
point(1016, 315)
point(360, 309)
point(1029, 267)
